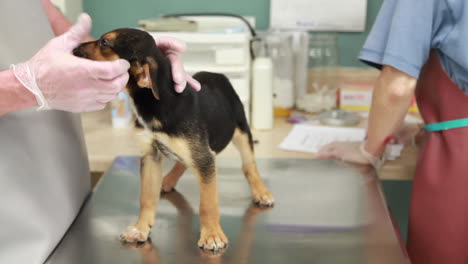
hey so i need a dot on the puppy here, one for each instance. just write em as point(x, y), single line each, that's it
point(191, 127)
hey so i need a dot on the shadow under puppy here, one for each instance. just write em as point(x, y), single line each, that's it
point(191, 127)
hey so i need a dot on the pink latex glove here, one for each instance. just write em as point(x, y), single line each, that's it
point(59, 80)
point(171, 48)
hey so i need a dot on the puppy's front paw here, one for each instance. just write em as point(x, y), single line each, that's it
point(133, 234)
point(263, 198)
point(213, 240)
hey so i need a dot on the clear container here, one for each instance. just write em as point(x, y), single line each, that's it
point(323, 74)
point(280, 50)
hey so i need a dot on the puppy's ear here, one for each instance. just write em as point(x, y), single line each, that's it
point(145, 74)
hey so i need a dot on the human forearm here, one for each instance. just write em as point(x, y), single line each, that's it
point(59, 23)
point(14, 96)
point(390, 102)
point(57, 20)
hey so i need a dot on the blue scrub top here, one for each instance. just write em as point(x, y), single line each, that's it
point(406, 31)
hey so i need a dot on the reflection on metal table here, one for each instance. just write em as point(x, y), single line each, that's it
point(325, 212)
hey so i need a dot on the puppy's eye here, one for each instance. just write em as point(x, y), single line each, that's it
point(103, 43)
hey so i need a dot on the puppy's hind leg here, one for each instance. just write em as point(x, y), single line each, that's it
point(170, 180)
point(243, 142)
point(150, 174)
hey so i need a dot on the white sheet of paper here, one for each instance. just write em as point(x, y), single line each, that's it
point(329, 15)
point(307, 138)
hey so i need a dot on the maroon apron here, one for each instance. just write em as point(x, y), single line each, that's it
point(438, 227)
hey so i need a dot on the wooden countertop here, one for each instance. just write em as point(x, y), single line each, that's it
point(104, 143)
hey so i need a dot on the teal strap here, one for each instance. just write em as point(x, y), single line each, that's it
point(457, 123)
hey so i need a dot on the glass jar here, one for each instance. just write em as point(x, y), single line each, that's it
point(322, 82)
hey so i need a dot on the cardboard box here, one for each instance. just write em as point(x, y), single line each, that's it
point(357, 96)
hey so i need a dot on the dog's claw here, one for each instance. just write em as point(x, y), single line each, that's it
point(213, 246)
point(265, 200)
point(213, 242)
point(133, 235)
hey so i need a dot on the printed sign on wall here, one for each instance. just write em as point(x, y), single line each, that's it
point(319, 15)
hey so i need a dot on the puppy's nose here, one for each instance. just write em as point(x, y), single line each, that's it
point(78, 52)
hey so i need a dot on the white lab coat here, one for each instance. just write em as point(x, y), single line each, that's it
point(44, 172)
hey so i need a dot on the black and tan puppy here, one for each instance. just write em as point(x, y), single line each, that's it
point(191, 127)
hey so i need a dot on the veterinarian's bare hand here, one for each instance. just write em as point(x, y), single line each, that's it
point(172, 48)
point(62, 81)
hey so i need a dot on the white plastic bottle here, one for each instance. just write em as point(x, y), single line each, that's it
point(121, 111)
point(262, 93)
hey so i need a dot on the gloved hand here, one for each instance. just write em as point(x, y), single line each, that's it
point(350, 151)
point(59, 80)
point(171, 47)
point(409, 134)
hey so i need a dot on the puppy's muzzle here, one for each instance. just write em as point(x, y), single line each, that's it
point(79, 52)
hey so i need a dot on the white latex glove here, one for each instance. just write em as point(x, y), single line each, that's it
point(409, 134)
point(350, 151)
point(59, 80)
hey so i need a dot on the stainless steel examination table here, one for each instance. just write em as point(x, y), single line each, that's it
point(325, 212)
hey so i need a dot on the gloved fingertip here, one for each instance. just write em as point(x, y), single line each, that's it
point(124, 63)
point(179, 88)
point(193, 83)
point(78, 32)
point(84, 18)
point(82, 27)
point(196, 86)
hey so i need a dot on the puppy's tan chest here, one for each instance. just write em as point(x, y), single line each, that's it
point(158, 146)
point(175, 148)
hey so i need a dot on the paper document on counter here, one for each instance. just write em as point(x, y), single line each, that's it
point(307, 138)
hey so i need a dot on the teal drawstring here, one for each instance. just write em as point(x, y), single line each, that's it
point(457, 123)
